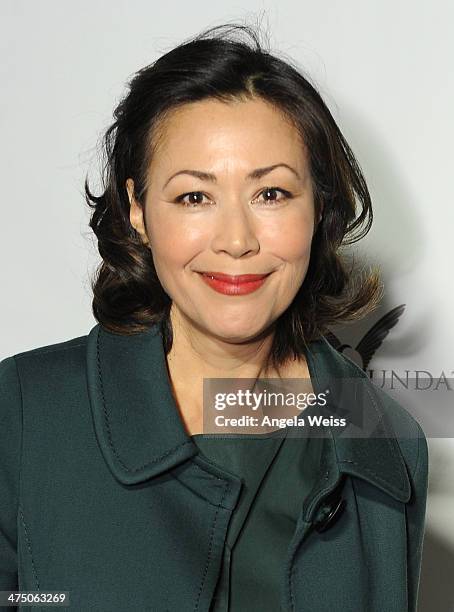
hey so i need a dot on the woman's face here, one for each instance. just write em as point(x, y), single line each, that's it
point(229, 191)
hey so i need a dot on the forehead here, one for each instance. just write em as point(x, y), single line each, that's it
point(211, 129)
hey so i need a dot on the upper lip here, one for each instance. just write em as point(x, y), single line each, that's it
point(238, 278)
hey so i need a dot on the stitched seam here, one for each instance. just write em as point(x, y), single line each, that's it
point(226, 488)
point(210, 474)
point(366, 469)
point(381, 419)
point(360, 523)
point(290, 575)
point(29, 548)
point(290, 578)
point(306, 510)
point(109, 432)
point(195, 493)
point(417, 458)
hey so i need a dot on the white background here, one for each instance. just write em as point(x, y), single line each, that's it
point(385, 70)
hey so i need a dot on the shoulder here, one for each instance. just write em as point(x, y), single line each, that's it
point(51, 350)
point(59, 361)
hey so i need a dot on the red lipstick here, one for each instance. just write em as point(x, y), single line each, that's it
point(234, 285)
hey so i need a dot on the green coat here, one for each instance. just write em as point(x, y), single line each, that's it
point(103, 493)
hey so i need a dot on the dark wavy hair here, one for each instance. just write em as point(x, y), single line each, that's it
point(229, 62)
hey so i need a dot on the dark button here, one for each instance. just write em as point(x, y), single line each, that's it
point(333, 511)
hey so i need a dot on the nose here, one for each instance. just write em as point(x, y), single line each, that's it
point(235, 233)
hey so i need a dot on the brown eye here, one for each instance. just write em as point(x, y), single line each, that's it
point(191, 199)
point(270, 195)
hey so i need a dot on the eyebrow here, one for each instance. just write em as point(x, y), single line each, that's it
point(255, 174)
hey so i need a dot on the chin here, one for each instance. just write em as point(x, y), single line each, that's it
point(235, 331)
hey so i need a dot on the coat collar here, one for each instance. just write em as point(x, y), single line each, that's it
point(141, 434)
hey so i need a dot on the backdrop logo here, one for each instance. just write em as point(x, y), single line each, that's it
point(366, 348)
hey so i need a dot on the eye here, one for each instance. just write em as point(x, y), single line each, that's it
point(195, 199)
point(270, 194)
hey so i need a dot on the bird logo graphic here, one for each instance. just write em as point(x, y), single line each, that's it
point(367, 347)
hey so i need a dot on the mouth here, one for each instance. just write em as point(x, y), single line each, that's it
point(229, 284)
point(234, 279)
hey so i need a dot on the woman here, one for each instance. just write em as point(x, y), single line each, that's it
point(223, 162)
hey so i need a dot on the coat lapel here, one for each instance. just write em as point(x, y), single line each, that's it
point(141, 434)
point(375, 457)
point(135, 417)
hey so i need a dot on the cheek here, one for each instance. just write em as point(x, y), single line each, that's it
point(291, 238)
point(173, 240)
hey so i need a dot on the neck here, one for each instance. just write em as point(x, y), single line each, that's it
point(196, 355)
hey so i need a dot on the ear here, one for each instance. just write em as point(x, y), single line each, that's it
point(136, 213)
point(320, 213)
point(318, 218)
